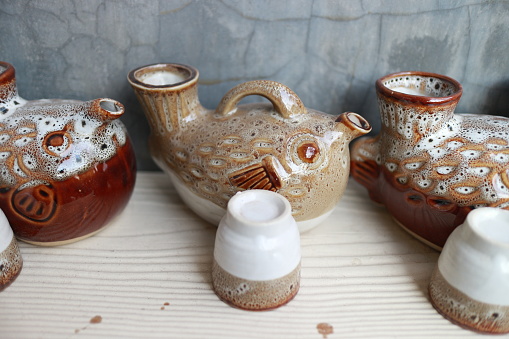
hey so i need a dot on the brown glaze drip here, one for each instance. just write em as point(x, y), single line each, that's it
point(74, 207)
point(462, 310)
point(255, 295)
point(11, 264)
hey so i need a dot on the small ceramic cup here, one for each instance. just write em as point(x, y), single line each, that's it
point(257, 252)
point(470, 285)
point(10, 256)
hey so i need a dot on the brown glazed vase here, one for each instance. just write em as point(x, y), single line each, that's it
point(279, 146)
point(66, 167)
point(429, 166)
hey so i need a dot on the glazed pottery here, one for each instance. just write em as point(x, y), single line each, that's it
point(66, 167)
point(429, 166)
point(10, 256)
point(279, 146)
point(470, 285)
point(257, 252)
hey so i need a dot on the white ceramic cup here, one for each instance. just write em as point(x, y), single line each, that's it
point(470, 285)
point(257, 251)
point(10, 256)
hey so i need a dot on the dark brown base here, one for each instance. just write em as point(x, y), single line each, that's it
point(430, 218)
point(11, 264)
point(74, 208)
point(255, 295)
point(463, 311)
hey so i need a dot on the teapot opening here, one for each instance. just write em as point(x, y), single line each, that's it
point(111, 106)
point(419, 86)
point(162, 75)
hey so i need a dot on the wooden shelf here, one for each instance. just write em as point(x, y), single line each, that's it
point(147, 275)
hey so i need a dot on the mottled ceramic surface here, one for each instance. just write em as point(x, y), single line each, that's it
point(464, 311)
point(11, 261)
point(429, 166)
point(255, 295)
point(282, 146)
point(11, 264)
point(66, 167)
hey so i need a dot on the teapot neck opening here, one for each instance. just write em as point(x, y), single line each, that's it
point(7, 82)
point(421, 88)
point(163, 76)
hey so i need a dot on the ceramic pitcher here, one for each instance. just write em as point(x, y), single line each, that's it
point(429, 166)
point(279, 146)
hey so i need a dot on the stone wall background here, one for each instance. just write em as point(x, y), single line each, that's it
point(329, 52)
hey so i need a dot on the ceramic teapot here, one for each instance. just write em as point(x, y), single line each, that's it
point(279, 146)
point(67, 167)
point(429, 166)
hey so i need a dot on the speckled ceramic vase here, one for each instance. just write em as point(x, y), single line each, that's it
point(279, 146)
point(10, 256)
point(67, 167)
point(257, 252)
point(470, 285)
point(429, 166)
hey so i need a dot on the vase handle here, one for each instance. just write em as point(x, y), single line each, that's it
point(285, 101)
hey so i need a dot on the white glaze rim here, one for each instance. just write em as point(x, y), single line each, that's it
point(258, 250)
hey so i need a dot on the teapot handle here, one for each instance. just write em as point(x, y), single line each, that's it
point(285, 101)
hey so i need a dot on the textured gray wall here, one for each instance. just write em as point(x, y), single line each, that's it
point(329, 52)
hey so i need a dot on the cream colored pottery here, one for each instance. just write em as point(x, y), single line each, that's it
point(280, 146)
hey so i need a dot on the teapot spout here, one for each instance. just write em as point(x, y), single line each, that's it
point(105, 109)
point(353, 124)
point(168, 94)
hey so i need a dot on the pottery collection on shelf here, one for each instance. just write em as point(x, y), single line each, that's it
point(264, 172)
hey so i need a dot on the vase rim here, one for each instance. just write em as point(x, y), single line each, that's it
point(7, 72)
point(187, 75)
point(420, 99)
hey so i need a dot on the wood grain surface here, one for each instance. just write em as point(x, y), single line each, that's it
point(148, 275)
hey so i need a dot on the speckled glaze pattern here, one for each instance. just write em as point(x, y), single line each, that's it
point(464, 311)
point(10, 264)
point(284, 147)
point(66, 167)
point(255, 295)
point(429, 166)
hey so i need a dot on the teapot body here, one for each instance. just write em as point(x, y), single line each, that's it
point(279, 146)
point(67, 167)
point(429, 166)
